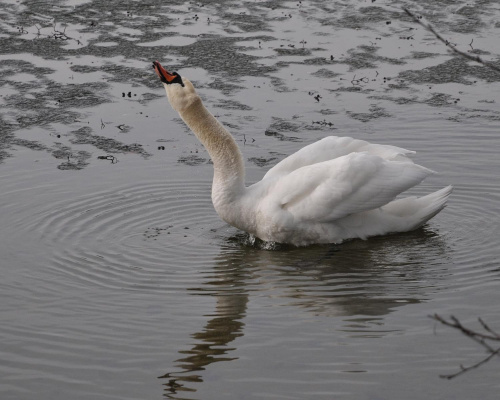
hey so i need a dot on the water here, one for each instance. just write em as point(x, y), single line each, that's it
point(118, 280)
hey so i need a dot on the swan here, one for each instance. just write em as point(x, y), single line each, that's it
point(335, 189)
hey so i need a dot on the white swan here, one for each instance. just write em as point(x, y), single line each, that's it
point(335, 189)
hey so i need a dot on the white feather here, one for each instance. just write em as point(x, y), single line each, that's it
point(335, 189)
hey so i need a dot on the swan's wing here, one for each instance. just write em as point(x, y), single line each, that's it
point(346, 185)
point(333, 147)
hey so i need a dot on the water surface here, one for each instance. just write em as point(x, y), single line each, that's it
point(118, 280)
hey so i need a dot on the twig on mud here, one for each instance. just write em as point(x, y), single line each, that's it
point(360, 81)
point(113, 159)
point(38, 34)
point(452, 47)
point(58, 34)
point(478, 337)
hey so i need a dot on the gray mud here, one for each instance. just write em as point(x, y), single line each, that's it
point(223, 39)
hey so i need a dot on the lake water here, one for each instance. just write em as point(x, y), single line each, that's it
point(118, 280)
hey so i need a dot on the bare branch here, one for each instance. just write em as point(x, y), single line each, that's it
point(458, 325)
point(463, 369)
point(478, 337)
point(452, 47)
point(487, 328)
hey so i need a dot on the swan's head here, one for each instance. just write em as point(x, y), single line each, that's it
point(180, 91)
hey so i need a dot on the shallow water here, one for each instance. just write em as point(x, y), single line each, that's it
point(118, 280)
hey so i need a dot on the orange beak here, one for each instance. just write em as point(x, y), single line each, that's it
point(164, 75)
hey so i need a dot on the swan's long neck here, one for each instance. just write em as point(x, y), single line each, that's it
point(229, 169)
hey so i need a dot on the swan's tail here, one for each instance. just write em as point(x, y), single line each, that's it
point(401, 215)
point(414, 212)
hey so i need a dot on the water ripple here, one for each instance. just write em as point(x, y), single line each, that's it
point(138, 236)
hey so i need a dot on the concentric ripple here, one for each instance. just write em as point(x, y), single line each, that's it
point(472, 217)
point(157, 235)
point(139, 236)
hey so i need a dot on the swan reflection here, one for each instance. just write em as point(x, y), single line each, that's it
point(358, 282)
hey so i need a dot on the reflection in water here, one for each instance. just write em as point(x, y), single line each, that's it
point(219, 331)
point(211, 346)
point(358, 281)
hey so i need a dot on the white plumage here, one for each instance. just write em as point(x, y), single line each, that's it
point(335, 189)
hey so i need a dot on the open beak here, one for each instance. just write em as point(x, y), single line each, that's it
point(165, 76)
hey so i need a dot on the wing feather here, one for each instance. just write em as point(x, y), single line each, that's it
point(333, 147)
point(346, 185)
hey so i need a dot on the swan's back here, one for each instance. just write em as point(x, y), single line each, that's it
point(333, 147)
